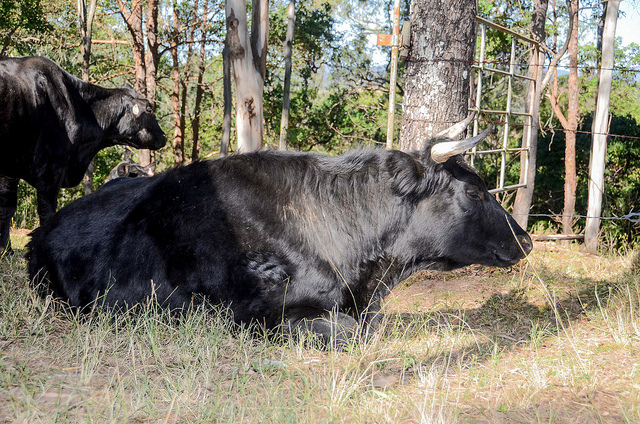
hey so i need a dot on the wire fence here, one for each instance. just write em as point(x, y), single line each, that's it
point(523, 64)
point(515, 72)
point(633, 217)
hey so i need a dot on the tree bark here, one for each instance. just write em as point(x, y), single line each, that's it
point(178, 133)
point(248, 59)
point(197, 107)
point(438, 70)
point(227, 98)
point(288, 53)
point(86, 14)
point(152, 56)
point(600, 128)
point(524, 195)
point(134, 18)
point(570, 181)
point(151, 60)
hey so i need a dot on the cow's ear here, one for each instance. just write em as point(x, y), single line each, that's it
point(405, 173)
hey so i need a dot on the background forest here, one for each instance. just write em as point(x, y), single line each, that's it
point(339, 90)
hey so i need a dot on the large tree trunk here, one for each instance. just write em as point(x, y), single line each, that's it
point(288, 53)
point(248, 59)
point(438, 70)
point(600, 128)
point(86, 14)
point(524, 195)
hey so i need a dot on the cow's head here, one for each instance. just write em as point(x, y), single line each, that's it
point(456, 221)
point(137, 125)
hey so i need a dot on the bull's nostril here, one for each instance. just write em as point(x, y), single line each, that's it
point(525, 242)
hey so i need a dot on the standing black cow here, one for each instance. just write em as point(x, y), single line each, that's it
point(312, 241)
point(51, 126)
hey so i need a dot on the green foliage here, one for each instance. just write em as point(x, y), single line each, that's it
point(622, 178)
point(21, 15)
point(337, 99)
point(339, 94)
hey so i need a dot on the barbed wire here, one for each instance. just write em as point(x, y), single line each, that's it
point(498, 122)
point(519, 64)
point(633, 217)
point(553, 129)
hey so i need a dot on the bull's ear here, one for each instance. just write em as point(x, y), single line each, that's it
point(405, 173)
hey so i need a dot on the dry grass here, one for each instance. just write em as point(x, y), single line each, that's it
point(554, 340)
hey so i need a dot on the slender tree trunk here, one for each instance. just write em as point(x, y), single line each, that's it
point(524, 195)
point(438, 69)
point(86, 14)
point(570, 181)
point(227, 97)
point(178, 135)
point(599, 144)
point(248, 58)
point(288, 53)
point(152, 56)
point(151, 60)
point(197, 107)
point(134, 18)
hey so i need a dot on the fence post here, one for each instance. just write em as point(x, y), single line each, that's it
point(395, 43)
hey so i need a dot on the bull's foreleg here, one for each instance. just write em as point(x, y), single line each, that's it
point(47, 202)
point(8, 204)
point(371, 318)
point(335, 329)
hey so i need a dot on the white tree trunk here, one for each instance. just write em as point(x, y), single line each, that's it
point(247, 58)
point(288, 53)
point(600, 128)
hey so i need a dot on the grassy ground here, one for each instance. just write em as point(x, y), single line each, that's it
point(556, 339)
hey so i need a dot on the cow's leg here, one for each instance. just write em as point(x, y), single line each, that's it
point(335, 329)
point(8, 203)
point(47, 201)
point(371, 318)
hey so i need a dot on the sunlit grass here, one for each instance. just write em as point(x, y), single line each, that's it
point(554, 340)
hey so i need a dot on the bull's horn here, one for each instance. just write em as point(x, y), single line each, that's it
point(442, 151)
point(456, 129)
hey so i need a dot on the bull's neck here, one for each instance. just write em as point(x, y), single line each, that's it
point(355, 223)
point(101, 102)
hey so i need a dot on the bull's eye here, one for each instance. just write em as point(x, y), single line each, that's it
point(149, 109)
point(474, 194)
point(135, 110)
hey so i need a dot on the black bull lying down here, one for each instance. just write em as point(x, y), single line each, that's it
point(310, 241)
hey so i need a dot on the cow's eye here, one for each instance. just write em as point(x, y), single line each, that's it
point(149, 109)
point(474, 194)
